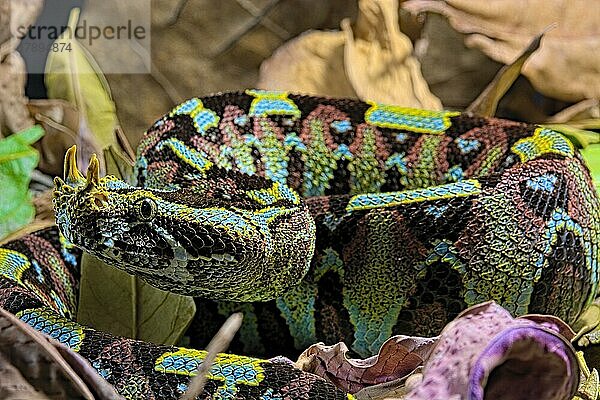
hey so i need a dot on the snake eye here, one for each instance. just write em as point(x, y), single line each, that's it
point(146, 209)
point(100, 200)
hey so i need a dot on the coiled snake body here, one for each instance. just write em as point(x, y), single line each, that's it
point(320, 219)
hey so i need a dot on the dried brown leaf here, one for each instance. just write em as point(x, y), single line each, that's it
point(589, 386)
point(14, 116)
point(394, 390)
point(565, 67)
point(18, 13)
point(378, 58)
point(588, 333)
point(444, 366)
point(13, 386)
point(313, 63)
point(196, 39)
point(26, 230)
point(397, 359)
point(369, 60)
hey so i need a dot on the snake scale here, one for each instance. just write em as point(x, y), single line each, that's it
point(320, 219)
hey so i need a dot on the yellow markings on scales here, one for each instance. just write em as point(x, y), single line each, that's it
point(267, 102)
point(13, 264)
point(543, 141)
point(47, 321)
point(203, 117)
point(230, 369)
point(409, 119)
point(271, 213)
point(271, 195)
point(383, 200)
point(234, 220)
point(187, 154)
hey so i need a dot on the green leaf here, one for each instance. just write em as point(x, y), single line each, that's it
point(487, 102)
point(591, 155)
point(114, 301)
point(73, 75)
point(17, 161)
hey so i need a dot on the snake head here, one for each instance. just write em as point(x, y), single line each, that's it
point(220, 239)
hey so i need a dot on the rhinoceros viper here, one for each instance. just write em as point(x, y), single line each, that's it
point(322, 220)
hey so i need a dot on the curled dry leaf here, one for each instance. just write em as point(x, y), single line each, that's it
point(312, 63)
point(5, 32)
point(13, 386)
point(486, 353)
point(370, 60)
point(34, 366)
point(565, 67)
point(13, 111)
point(479, 355)
point(397, 358)
point(588, 329)
point(463, 77)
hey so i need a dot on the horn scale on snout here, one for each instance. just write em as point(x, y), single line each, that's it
point(71, 173)
point(93, 171)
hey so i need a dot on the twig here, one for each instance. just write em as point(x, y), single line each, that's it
point(566, 115)
point(165, 84)
point(486, 103)
point(267, 22)
point(245, 28)
point(218, 344)
point(174, 17)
